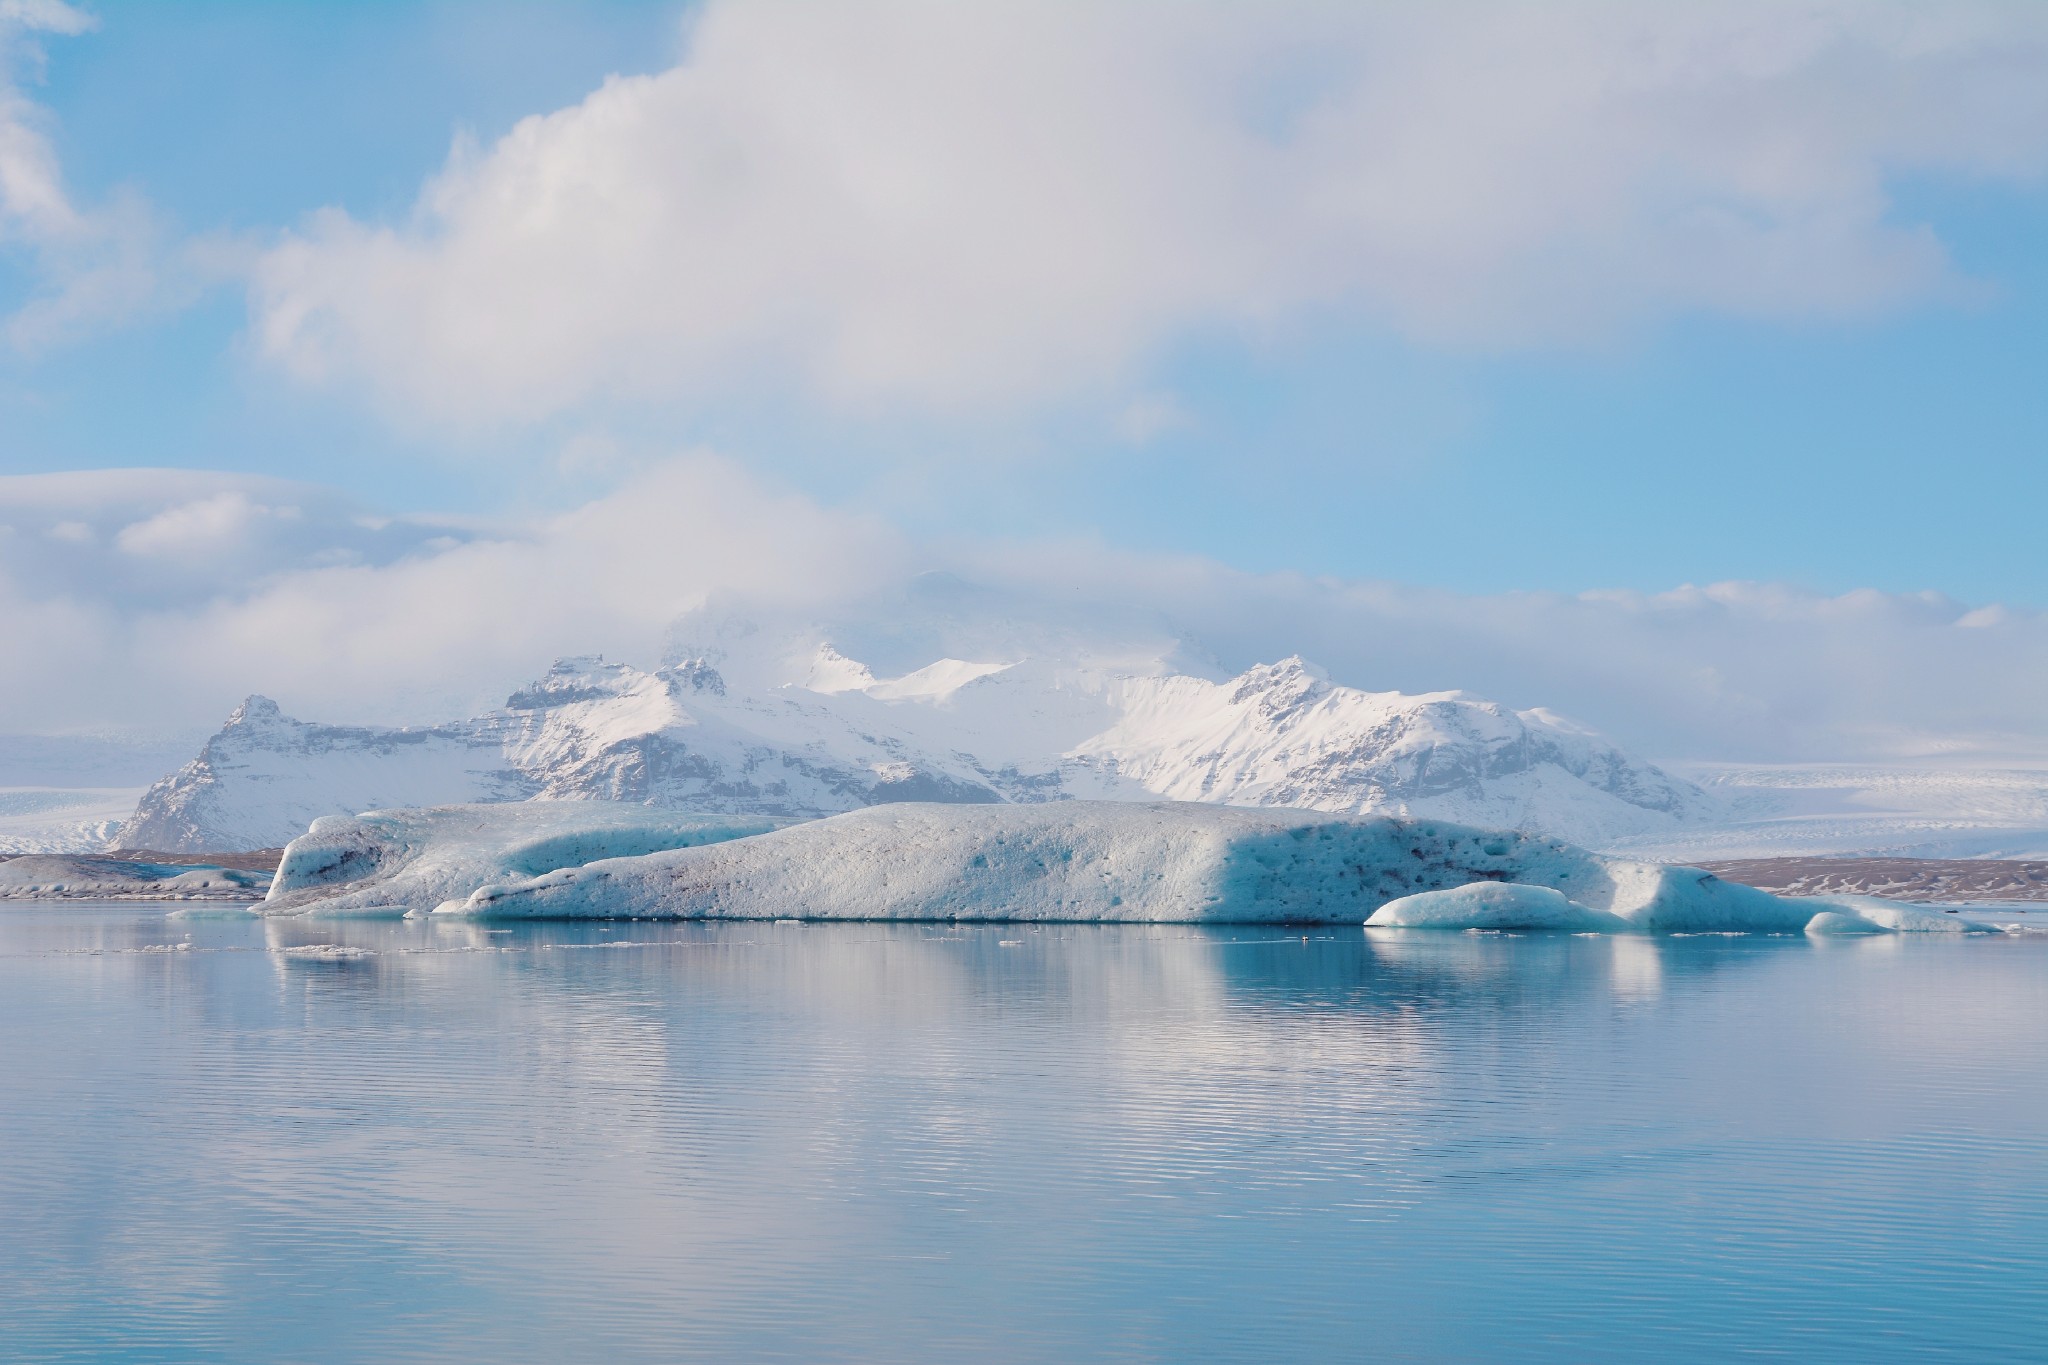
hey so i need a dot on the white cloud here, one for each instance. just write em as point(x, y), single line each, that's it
point(902, 202)
point(90, 266)
point(193, 589)
point(292, 591)
point(1754, 672)
point(202, 528)
point(148, 539)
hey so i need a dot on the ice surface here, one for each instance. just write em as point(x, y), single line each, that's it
point(398, 859)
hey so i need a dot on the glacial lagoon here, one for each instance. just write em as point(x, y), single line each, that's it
point(231, 1139)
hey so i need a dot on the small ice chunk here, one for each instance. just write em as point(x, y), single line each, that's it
point(1874, 915)
point(1495, 906)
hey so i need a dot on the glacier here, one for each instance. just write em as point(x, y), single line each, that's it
point(1074, 861)
point(1936, 808)
point(63, 819)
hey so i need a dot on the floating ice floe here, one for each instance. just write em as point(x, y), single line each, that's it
point(389, 861)
point(328, 952)
point(213, 911)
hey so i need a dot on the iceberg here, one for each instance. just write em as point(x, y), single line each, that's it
point(389, 861)
point(1066, 861)
point(1161, 862)
point(1058, 861)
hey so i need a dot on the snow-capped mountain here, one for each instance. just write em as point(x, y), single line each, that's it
point(819, 732)
point(265, 777)
point(1285, 735)
point(588, 730)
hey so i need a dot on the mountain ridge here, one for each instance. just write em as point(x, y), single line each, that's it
point(831, 736)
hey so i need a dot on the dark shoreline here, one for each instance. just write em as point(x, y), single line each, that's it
point(258, 860)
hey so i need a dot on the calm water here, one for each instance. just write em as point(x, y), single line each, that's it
point(912, 1143)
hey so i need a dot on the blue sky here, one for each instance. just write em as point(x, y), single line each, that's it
point(240, 118)
point(1484, 298)
point(1904, 450)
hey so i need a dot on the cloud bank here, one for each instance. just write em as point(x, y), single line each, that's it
point(156, 599)
point(910, 204)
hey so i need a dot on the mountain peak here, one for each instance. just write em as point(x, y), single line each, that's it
point(256, 709)
point(832, 672)
point(581, 677)
point(1289, 682)
point(695, 674)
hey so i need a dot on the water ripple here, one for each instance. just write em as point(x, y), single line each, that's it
point(242, 1140)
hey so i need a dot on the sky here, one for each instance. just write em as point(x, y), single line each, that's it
point(1492, 310)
